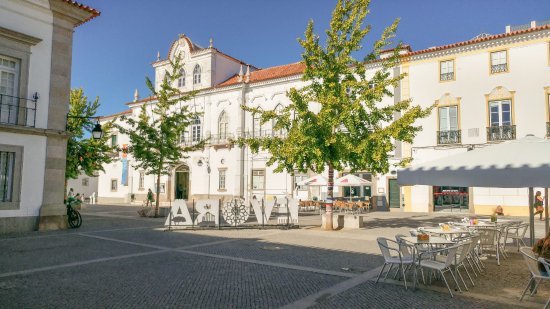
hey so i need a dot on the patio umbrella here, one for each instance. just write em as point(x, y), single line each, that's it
point(515, 164)
point(351, 180)
point(317, 180)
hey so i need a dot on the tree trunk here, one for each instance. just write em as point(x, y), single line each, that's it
point(330, 192)
point(158, 195)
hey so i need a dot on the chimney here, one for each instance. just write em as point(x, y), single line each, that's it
point(508, 29)
point(533, 24)
point(158, 55)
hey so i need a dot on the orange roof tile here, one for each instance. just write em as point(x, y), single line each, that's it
point(269, 73)
point(478, 40)
point(86, 8)
point(129, 111)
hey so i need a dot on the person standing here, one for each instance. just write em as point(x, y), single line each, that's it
point(149, 198)
point(539, 209)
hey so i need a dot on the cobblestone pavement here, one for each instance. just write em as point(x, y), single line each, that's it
point(119, 260)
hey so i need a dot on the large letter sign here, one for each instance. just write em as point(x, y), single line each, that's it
point(208, 211)
point(268, 207)
point(179, 214)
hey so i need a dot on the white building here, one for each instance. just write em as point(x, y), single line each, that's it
point(488, 89)
point(35, 71)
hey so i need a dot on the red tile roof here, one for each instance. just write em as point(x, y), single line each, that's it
point(269, 73)
point(86, 8)
point(478, 40)
point(126, 112)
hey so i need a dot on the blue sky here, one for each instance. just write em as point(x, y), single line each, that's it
point(112, 54)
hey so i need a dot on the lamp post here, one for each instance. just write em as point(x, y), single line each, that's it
point(97, 131)
point(202, 161)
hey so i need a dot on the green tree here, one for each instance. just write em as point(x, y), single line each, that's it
point(155, 134)
point(337, 120)
point(85, 154)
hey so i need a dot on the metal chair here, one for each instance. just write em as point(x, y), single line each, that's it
point(393, 256)
point(517, 233)
point(441, 267)
point(532, 264)
point(490, 238)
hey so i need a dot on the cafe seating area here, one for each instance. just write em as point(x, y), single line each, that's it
point(456, 253)
point(339, 206)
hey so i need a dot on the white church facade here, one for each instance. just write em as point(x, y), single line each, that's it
point(487, 90)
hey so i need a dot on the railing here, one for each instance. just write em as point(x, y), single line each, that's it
point(220, 139)
point(263, 133)
point(501, 133)
point(18, 111)
point(497, 68)
point(449, 137)
point(548, 129)
point(446, 76)
point(520, 27)
point(190, 140)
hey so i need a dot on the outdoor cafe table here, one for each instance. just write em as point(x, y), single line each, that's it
point(450, 232)
point(434, 240)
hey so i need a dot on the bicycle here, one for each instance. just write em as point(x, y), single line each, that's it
point(73, 216)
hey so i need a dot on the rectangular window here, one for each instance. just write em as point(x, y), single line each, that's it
point(113, 140)
point(258, 179)
point(7, 166)
point(85, 182)
point(9, 77)
point(114, 185)
point(500, 113)
point(499, 62)
point(141, 183)
point(448, 118)
point(221, 182)
point(447, 70)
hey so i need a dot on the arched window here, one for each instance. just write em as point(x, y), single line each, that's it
point(197, 75)
point(278, 110)
point(256, 124)
point(196, 130)
point(181, 80)
point(223, 126)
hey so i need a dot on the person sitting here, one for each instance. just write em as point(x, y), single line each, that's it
point(499, 211)
point(542, 249)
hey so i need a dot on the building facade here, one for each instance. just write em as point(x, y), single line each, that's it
point(35, 72)
point(486, 90)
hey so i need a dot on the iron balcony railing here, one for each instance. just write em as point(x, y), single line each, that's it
point(449, 137)
point(497, 68)
point(263, 133)
point(446, 76)
point(220, 139)
point(18, 111)
point(190, 140)
point(548, 129)
point(501, 133)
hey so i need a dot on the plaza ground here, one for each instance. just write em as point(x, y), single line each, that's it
point(119, 260)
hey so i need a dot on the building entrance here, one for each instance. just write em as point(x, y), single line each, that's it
point(181, 189)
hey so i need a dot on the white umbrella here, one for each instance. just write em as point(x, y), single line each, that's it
point(317, 180)
point(516, 164)
point(351, 180)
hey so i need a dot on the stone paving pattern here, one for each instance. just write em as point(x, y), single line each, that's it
point(119, 260)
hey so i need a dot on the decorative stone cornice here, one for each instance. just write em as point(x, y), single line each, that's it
point(19, 37)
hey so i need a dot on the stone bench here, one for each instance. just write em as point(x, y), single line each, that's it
point(344, 221)
point(337, 221)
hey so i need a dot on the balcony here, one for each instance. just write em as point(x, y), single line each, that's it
point(189, 141)
point(448, 137)
point(446, 76)
point(501, 133)
point(18, 111)
point(498, 68)
point(220, 139)
point(263, 133)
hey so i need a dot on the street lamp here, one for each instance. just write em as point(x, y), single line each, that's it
point(97, 131)
point(202, 161)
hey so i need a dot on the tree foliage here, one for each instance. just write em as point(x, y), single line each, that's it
point(337, 120)
point(155, 134)
point(85, 154)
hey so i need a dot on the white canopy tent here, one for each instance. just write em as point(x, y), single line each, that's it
point(351, 180)
point(515, 164)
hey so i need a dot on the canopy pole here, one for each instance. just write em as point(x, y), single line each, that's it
point(531, 217)
point(545, 211)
